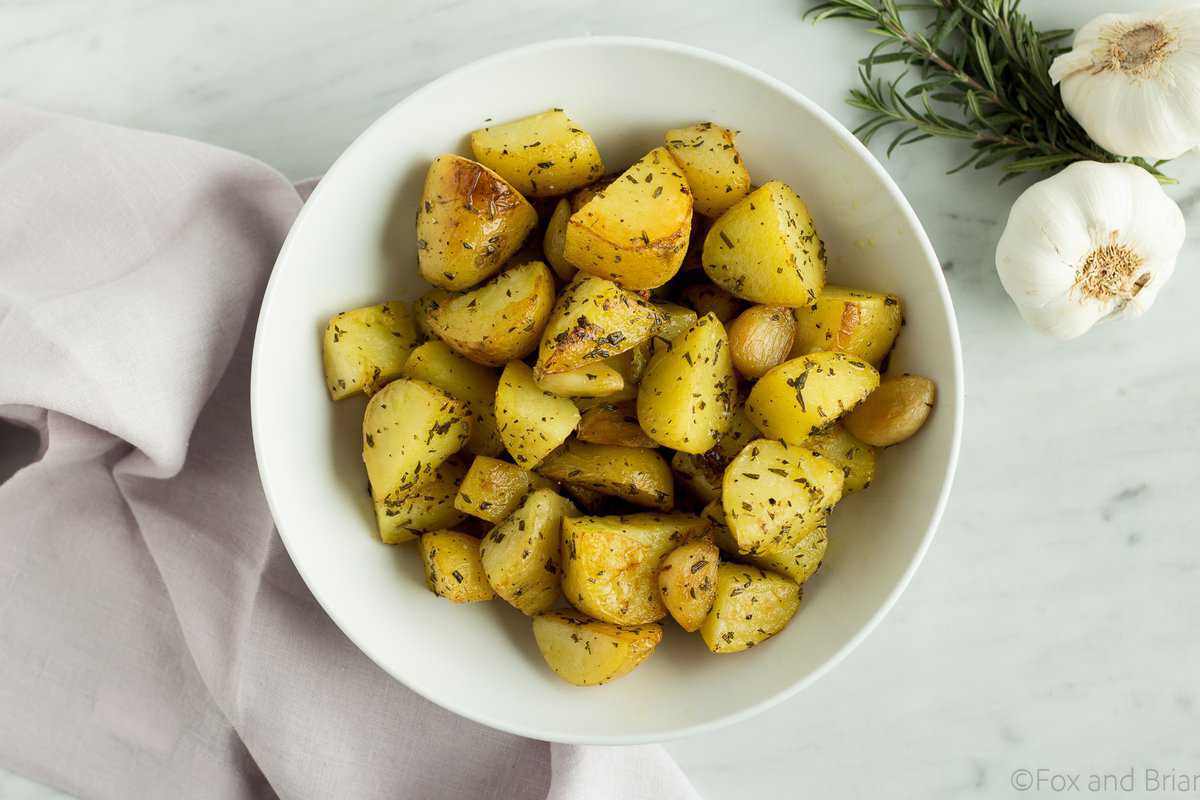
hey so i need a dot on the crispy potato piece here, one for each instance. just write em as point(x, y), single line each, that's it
point(687, 580)
point(532, 422)
point(493, 489)
point(500, 321)
point(855, 457)
point(709, 299)
point(610, 564)
point(679, 320)
point(542, 155)
point(452, 567)
point(766, 250)
point(710, 161)
point(554, 241)
point(761, 338)
point(685, 400)
point(798, 562)
point(893, 412)
point(703, 473)
point(587, 652)
point(427, 304)
point(522, 556)
point(800, 397)
point(851, 321)
point(434, 362)
point(469, 223)
point(594, 380)
point(366, 347)
point(775, 495)
point(613, 423)
point(636, 230)
point(410, 428)
point(594, 319)
point(636, 474)
point(751, 606)
point(430, 507)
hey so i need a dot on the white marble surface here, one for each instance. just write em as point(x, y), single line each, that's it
point(1053, 624)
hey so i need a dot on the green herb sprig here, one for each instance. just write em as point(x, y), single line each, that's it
point(977, 71)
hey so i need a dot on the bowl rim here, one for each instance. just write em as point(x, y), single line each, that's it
point(957, 400)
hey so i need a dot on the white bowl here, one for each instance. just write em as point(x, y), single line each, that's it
point(353, 245)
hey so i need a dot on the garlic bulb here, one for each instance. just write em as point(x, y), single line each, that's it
point(1133, 82)
point(1096, 241)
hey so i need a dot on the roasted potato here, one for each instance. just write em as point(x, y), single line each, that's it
point(852, 321)
point(636, 474)
point(588, 499)
point(544, 155)
point(425, 305)
point(766, 250)
point(678, 320)
point(410, 428)
point(522, 556)
point(580, 197)
point(594, 319)
point(709, 299)
point(893, 412)
point(365, 348)
point(610, 564)
point(775, 495)
point(798, 562)
point(452, 567)
point(685, 399)
point(751, 606)
point(429, 507)
point(687, 580)
point(500, 321)
point(613, 423)
point(493, 489)
point(800, 397)
point(710, 161)
point(595, 380)
point(703, 473)
point(434, 362)
point(532, 422)
point(469, 223)
point(636, 230)
point(554, 241)
point(855, 457)
point(761, 338)
point(587, 652)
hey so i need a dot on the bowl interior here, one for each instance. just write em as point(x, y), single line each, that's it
point(354, 245)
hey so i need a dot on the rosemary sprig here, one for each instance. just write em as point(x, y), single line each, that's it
point(978, 71)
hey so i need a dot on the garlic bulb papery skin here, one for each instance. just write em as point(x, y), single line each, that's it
point(1133, 82)
point(1094, 242)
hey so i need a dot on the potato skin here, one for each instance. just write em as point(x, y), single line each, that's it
point(554, 241)
point(469, 223)
point(761, 338)
point(636, 231)
point(500, 321)
point(542, 155)
point(855, 457)
point(365, 348)
point(851, 321)
point(522, 556)
point(532, 422)
point(594, 380)
point(687, 579)
point(587, 652)
point(799, 397)
point(751, 606)
point(710, 161)
point(893, 412)
point(594, 319)
point(613, 423)
point(429, 507)
point(636, 474)
point(492, 489)
point(434, 362)
point(452, 567)
point(766, 249)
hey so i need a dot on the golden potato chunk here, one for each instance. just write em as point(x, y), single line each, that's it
point(410, 428)
point(855, 457)
point(798, 562)
point(493, 489)
point(687, 580)
point(452, 567)
point(851, 321)
point(522, 556)
point(775, 495)
point(500, 321)
point(429, 507)
point(761, 338)
point(594, 319)
point(893, 412)
point(709, 299)
point(710, 161)
point(543, 155)
point(751, 606)
point(434, 362)
point(685, 400)
point(610, 564)
point(800, 397)
point(594, 380)
point(613, 423)
point(554, 241)
point(766, 250)
point(532, 422)
point(635, 231)
point(703, 473)
point(587, 652)
point(365, 348)
point(469, 223)
point(427, 304)
point(636, 474)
